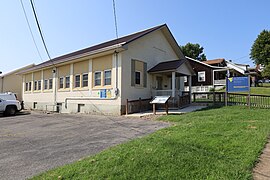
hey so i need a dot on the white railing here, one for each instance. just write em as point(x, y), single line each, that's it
point(220, 82)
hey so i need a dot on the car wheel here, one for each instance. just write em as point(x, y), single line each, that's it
point(10, 111)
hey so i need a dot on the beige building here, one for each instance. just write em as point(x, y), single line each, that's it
point(100, 78)
point(11, 82)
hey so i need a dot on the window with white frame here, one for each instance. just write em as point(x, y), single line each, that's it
point(30, 86)
point(201, 76)
point(98, 78)
point(26, 86)
point(61, 82)
point(67, 83)
point(45, 84)
point(137, 77)
point(185, 79)
point(50, 83)
point(107, 77)
point(39, 85)
point(77, 81)
point(35, 85)
point(84, 80)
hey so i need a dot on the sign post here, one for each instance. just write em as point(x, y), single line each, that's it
point(160, 100)
point(238, 84)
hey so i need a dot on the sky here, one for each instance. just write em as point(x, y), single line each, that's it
point(226, 29)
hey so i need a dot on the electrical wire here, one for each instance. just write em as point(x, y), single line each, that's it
point(40, 32)
point(29, 27)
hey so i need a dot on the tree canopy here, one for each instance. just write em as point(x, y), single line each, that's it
point(194, 51)
point(266, 71)
point(260, 50)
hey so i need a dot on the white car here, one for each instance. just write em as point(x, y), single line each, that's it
point(8, 96)
point(9, 107)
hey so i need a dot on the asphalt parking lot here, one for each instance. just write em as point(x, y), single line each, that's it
point(36, 142)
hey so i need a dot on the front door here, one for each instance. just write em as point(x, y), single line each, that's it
point(159, 83)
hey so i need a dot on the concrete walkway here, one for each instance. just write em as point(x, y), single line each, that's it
point(171, 111)
point(262, 169)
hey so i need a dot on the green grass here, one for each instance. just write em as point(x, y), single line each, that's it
point(262, 90)
point(222, 143)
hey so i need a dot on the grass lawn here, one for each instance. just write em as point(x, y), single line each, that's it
point(222, 143)
point(260, 90)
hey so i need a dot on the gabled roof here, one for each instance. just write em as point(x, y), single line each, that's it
point(167, 66)
point(112, 43)
point(203, 63)
point(214, 61)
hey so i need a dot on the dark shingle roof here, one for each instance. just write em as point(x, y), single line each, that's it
point(121, 40)
point(167, 66)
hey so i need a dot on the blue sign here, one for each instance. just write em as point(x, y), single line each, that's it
point(237, 84)
point(103, 93)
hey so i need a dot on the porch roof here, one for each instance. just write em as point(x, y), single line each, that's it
point(167, 66)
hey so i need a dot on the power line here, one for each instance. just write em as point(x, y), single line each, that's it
point(29, 27)
point(241, 57)
point(40, 32)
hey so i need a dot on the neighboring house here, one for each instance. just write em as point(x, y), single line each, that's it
point(11, 82)
point(100, 78)
point(207, 76)
point(212, 73)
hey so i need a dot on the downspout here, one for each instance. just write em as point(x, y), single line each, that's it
point(116, 90)
point(55, 85)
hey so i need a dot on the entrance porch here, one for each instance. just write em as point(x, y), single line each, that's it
point(168, 78)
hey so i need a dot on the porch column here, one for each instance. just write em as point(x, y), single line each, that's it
point(173, 84)
point(190, 88)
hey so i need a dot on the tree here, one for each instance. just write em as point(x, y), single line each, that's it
point(266, 71)
point(260, 50)
point(194, 51)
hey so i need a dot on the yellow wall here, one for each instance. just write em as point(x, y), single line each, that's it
point(37, 75)
point(101, 64)
point(28, 77)
point(81, 67)
point(47, 74)
point(64, 70)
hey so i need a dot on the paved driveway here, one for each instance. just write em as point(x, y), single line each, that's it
point(33, 143)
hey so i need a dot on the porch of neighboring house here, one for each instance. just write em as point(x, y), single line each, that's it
point(219, 76)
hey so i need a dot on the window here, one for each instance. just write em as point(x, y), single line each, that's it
point(39, 85)
point(35, 86)
point(30, 86)
point(137, 77)
point(85, 80)
point(97, 78)
point(45, 84)
point(26, 86)
point(50, 83)
point(201, 76)
point(77, 81)
point(138, 73)
point(185, 79)
point(107, 77)
point(61, 82)
point(67, 85)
